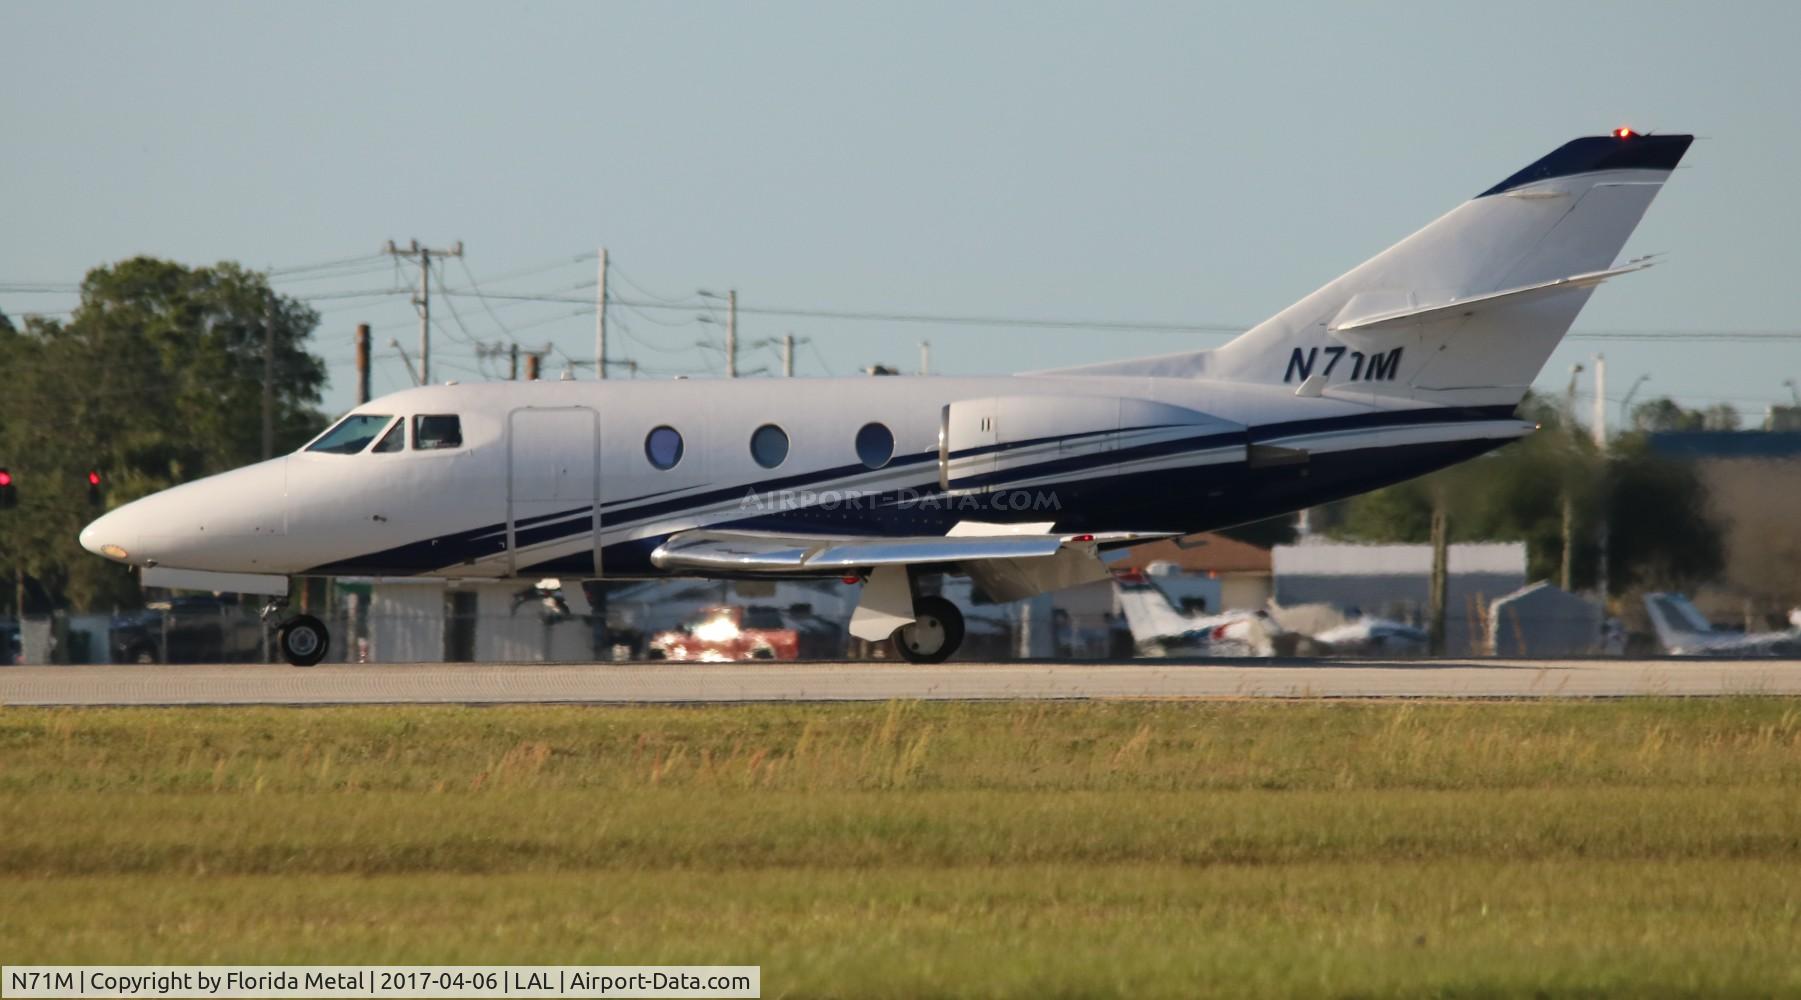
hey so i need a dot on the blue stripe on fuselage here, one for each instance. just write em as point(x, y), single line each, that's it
point(467, 546)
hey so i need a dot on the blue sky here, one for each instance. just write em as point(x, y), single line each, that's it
point(1141, 162)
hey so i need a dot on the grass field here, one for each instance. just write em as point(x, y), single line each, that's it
point(1298, 849)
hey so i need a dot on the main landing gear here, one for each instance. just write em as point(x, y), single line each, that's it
point(920, 628)
point(933, 635)
point(302, 639)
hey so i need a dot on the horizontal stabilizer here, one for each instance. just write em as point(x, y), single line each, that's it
point(1352, 319)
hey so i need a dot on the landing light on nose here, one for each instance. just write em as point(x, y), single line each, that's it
point(95, 538)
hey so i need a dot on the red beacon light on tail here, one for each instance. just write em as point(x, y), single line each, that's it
point(1623, 132)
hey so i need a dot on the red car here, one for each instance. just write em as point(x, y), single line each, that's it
point(727, 635)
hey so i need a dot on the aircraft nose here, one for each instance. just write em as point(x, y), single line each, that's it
point(212, 523)
point(112, 535)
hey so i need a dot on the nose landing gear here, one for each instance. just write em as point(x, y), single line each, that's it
point(303, 639)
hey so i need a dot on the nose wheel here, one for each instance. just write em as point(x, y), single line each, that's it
point(934, 634)
point(303, 640)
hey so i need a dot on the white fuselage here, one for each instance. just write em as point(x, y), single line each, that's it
point(516, 496)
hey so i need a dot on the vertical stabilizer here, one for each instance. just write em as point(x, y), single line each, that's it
point(1466, 310)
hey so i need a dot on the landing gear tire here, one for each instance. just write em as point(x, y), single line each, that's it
point(934, 634)
point(303, 640)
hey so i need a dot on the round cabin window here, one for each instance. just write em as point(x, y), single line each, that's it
point(769, 446)
point(663, 446)
point(875, 445)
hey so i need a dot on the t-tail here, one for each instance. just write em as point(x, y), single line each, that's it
point(1680, 626)
point(1467, 310)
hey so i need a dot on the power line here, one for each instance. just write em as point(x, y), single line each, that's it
point(1043, 322)
point(361, 293)
point(424, 255)
point(818, 356)
point(324, 265)
point(467, 337)
point(900, 317)
point(478, 294)
point(655, 301)
point(647, 293)
point(495, 279)
point(332, 275)
point(1741, 336)
point(632, 336)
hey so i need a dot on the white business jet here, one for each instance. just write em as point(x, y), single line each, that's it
point(1412, 361)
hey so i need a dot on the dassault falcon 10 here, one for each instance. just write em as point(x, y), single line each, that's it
point(1414, 360)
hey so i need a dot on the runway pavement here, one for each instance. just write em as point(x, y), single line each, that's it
point(260, 684)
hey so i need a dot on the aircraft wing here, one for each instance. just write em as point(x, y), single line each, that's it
point(707, 551)
point(1009, 561)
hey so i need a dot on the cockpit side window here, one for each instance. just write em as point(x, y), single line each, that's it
point(394, 440)
point(351, 434)
point(435, 431)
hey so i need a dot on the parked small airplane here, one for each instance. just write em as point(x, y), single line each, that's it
point(1684, 631)
point(1365, 635)
point(1412, 361)
point(1159, 628)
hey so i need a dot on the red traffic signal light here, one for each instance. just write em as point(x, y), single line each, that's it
point(9, 494)
point(94, 488)
point(6, 478)
point(93, 478)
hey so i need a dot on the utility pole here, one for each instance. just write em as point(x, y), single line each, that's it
point(1567, 573)
point(925, 357)
point(532, 360)
point(787, 355)
point(269, 378)
point(1566, 569)
point(600, 321)
point(1600, 411)
point(423, 299)
point(731, 333)
point(1441, 533)
point(513, 364)
point(1601, 447)
point(362, 363)
point(731, 328)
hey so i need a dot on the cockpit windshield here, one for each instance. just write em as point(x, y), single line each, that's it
point(351, 434)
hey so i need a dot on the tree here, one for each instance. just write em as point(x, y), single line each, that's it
point(1665, 414)
point(1660, 531)
point(156, 379)
point(1663, 535)
point(1720, 417)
